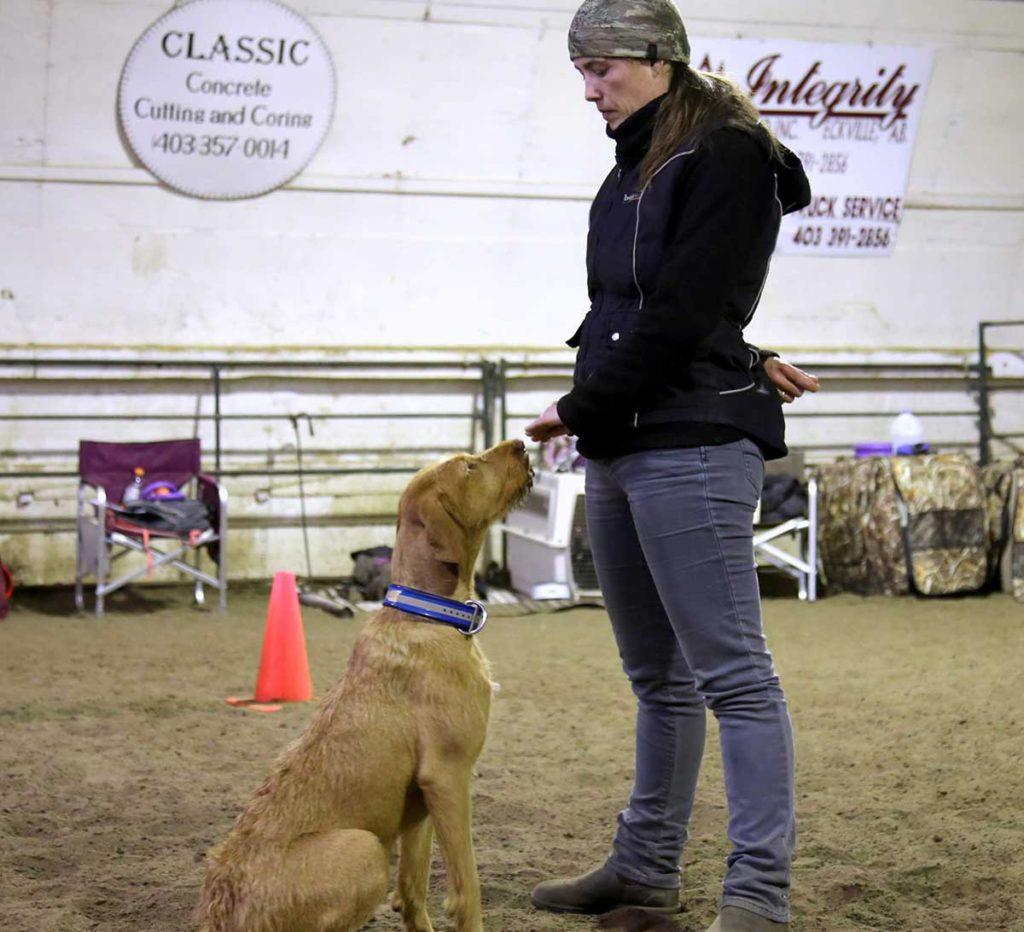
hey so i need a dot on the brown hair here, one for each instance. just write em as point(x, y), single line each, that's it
point(697, 103)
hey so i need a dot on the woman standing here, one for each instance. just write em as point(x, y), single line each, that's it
point(676, 414)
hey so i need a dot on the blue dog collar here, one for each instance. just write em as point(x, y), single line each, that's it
point(469, 616)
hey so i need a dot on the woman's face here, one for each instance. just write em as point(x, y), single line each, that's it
point(621, 86)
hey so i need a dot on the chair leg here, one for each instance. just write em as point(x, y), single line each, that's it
point(222, 559)
point(812, 539)
point(79, 543)
point(101, 572)
point(200, 594)
point(222, 578)
point(79, 594)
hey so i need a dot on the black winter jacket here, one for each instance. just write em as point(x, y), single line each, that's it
point(675, 272)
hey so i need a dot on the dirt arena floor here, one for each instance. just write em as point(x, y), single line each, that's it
point(120, 764)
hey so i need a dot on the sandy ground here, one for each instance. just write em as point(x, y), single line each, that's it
point(120, 764)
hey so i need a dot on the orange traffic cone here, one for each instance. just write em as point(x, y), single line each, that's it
point(284, 668)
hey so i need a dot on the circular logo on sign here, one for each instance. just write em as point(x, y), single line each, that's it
point(227, 98)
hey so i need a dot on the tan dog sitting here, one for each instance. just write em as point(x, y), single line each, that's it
point(389, 753)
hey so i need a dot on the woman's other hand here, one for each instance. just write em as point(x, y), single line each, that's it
point(789, 381)
point(548, 425)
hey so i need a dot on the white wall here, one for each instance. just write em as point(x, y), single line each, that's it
point(447, 207)
point(478, 102)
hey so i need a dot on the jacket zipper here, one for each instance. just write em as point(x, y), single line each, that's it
point(636, 235)
point(636, 228)
point(636, 414)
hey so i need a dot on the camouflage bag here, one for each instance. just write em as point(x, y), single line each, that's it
point(860, 542)
point(887, 525)
point(945, 522)
point(1013, 558)
point(997, 479)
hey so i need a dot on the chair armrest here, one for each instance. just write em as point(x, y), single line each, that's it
point(211, 483)
point(100, 499)
point(215, 497)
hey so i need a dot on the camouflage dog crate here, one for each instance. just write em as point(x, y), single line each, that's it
point(1013, 564)
point(933, 524)
point(1004, 484)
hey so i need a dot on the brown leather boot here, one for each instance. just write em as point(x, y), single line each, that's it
point(600, 891)
point(735, 919)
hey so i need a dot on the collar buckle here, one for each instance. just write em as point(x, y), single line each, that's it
point(479, 618)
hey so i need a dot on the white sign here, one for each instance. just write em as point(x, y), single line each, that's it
point(851, 113)
point(227, 98)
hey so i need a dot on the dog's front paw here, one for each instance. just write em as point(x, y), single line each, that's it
point(466, 918)
point(418, 923)
point(415, 918)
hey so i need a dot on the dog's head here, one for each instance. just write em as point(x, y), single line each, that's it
point(446, 508)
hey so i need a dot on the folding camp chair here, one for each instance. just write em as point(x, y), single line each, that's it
point(800, 531)
point(105, 534)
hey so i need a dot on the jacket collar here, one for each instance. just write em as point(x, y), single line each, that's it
point(633, 139)
point(633, 135)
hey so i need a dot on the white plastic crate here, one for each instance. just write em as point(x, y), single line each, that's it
point(548, 549)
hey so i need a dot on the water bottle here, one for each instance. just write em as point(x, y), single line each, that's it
point(907, 434)
point(133, 491)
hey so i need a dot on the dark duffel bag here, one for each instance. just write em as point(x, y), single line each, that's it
point(167, 517)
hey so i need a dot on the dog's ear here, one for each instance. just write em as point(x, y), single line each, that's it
point(444, 534)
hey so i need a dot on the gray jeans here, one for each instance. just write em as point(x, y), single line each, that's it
point(671, 532)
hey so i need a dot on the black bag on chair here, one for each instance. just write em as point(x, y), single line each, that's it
point(168, 517)
point(782, 498)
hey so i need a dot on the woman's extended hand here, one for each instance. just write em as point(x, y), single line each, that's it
point(790, 381)
point(548, 425)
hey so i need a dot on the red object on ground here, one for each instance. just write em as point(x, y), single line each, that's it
point(6, 590)
point(284, 668)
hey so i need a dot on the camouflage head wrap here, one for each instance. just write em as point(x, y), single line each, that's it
point(650, 29)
